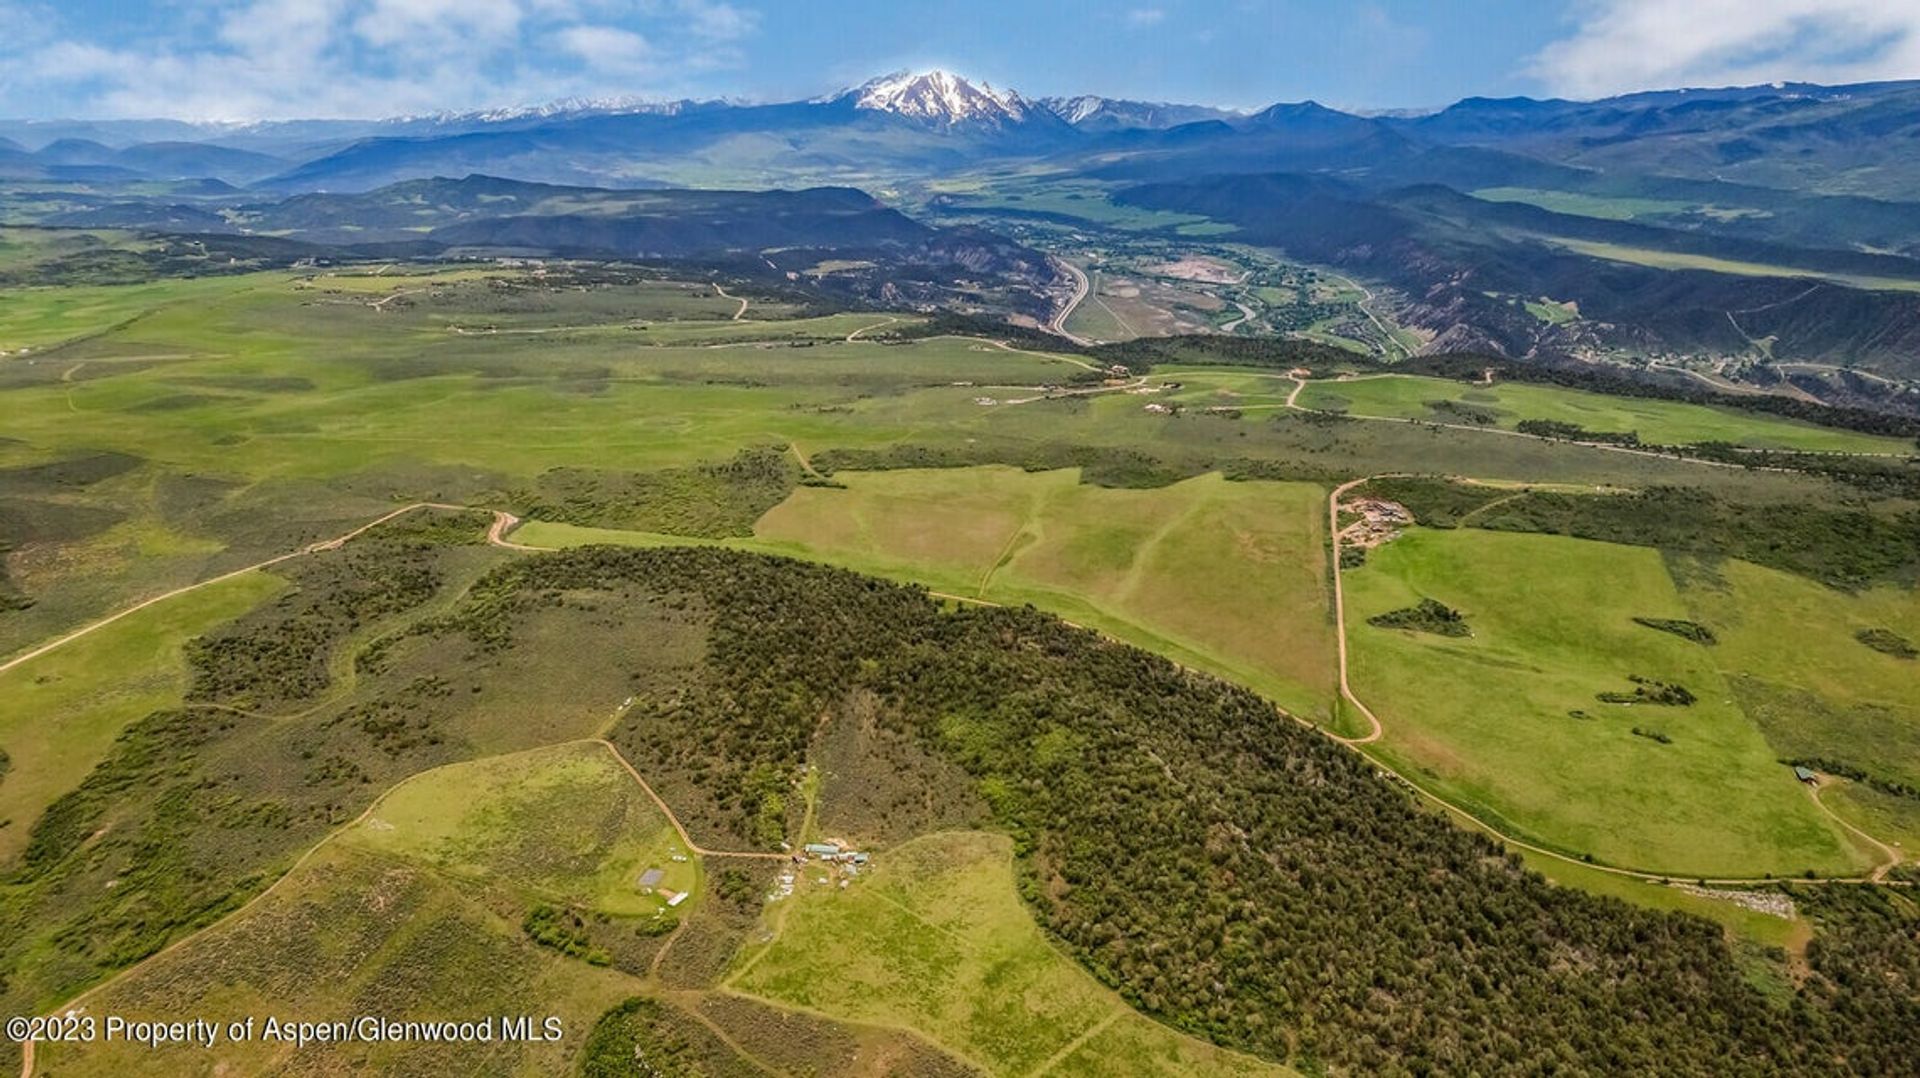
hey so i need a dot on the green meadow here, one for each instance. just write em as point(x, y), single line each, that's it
point(566, 824)
point(60, 711)
point(1676, 260)
point(934, 938)
point(255, 414)
point(1508, 722)
point(33, 318)
point(1229, 577)
point(244, 417)
point(1655, 421)
point(1584, 205)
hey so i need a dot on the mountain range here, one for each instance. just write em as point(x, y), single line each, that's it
point(1661, 216)
point(1848, 140)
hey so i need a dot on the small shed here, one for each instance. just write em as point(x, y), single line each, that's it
point(1805, 774)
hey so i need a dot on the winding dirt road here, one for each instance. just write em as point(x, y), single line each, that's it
point(311, 548)
point(1374, 729)
point(742, 312)
point(1891, 857)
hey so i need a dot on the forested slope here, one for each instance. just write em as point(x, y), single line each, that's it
point(1228, 871)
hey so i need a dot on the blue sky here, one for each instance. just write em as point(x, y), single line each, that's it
point(256, 59)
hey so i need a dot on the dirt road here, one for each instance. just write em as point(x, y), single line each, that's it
point(504, 522)
point(855, 335)
point(1374, 729)
point(1891, 857)
point(312, 548)
point(680, 829)
point(742, 312)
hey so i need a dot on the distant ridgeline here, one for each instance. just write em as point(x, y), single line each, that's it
point(1467, 263)
point(884, 258)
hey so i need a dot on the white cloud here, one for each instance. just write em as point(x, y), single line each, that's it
point(425, 23)
point(257, 59)
point(607, 47)
point(1145, 16)
point(1622, 45)
point(717, 21)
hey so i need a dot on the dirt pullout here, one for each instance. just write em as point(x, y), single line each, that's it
point(1380, 522)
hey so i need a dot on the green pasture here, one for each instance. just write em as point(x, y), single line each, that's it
point(1611, 208)
point(1655, 421)
point(1792, 651)
point(1086, 200)
point(35, 317)
point(1490, 720)
point(566, 824)
point(1676, 260)
point(265, 387)
point(60, 712)
point(1226, 577)
point(934, 938)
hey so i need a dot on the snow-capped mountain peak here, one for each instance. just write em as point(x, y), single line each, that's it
point(1093, 113)
point(1075, 109)
point(939, 97)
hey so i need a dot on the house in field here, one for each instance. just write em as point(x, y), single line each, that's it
point(824, 850)
point(1806, 775)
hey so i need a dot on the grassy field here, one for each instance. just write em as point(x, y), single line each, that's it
point(353, 933)
point(1786, 635)
point(1086, 200)
point(934, 938)
point(1552, 312)
point(1227, 577)
point(1656, 421)
point(60, 712)
point(1584, 205)
point(259, 413)
point(1792, 652)
point(412, 913)
point(1644, 256)
point(33, 318)
point(1490, 718)
point(567, 824)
